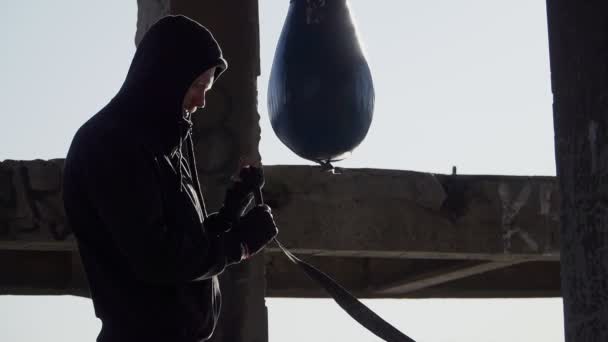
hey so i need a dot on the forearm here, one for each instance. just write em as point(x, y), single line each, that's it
point(191, 254)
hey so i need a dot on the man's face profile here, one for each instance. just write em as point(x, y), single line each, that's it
point(195, 96)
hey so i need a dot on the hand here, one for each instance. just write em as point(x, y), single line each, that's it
point(256, 229)
point(216, 224)
point(252, 177)
point(251, 172)
point(239, 195)
point(237, 199)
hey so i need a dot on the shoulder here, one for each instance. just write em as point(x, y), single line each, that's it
point(99, 138)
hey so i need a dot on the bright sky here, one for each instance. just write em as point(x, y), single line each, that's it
point(463, 83)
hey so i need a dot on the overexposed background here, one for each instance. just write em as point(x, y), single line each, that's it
point(463, 83)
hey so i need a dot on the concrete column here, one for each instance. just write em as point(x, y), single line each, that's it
point(228, 130)
point(578, 39)
point(149, 11)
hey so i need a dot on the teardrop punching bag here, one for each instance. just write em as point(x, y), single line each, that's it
point(320, 94)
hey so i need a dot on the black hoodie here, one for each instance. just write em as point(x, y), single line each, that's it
point(133, 205)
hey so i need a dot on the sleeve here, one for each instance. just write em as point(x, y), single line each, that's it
point(125, 190)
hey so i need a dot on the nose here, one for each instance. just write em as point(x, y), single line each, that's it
point(202, 100)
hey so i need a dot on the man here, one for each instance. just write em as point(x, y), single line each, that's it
point(150, 252)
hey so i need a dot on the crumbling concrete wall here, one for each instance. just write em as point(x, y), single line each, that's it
point(31, 204)
point(363, 226)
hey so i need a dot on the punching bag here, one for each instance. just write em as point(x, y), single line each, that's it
point(320, 94)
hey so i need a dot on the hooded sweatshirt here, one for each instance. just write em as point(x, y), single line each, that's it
point(133, 202)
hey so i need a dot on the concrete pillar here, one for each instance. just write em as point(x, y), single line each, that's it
point(148, 12)
point(228, 130)
point(578, 39)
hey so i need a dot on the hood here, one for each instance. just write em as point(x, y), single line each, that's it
point(171, 55)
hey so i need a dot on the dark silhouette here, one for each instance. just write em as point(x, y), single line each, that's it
point(151, 253)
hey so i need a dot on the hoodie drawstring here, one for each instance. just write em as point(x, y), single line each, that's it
point(195, 176)
point(186, 128)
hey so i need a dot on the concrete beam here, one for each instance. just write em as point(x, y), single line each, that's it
point(364, 276)
point(358, 213)
point(525, 280)
point(403, 214)
point(436, 277)
point(25, 272)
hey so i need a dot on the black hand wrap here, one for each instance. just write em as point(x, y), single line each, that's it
point(238, 197)
point(256, 229)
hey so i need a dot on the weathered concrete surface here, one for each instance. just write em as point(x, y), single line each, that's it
point(31, 205)
point(149, 11)
point(412, 283)
point(361, 212)
point(401, 214)
point(368, 228)
point(30, 272)
point(60, 273)
point(578, 38)
point(420, 278)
